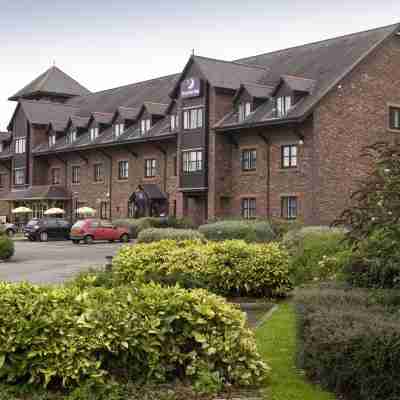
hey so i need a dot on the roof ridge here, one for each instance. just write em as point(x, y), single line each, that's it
point(128, 84)
point(319, 41)
point(47, 102)
point(298, 77)
point(155, 102)
point(255, 66)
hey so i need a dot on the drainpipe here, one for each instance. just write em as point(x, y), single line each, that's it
point(268, 148)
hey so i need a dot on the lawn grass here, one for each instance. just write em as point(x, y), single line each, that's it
point(276, 340)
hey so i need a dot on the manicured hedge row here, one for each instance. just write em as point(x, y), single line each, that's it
point(137, 225)
point(157, 234)
point(227, 268)
point(349, 344)
point(249, 231)
point(65, 336)
point(6, 247)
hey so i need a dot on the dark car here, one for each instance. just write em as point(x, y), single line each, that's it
point(89, 230)
point(9, 229)
point(47, 228)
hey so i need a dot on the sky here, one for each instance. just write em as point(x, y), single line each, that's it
point(104, 44)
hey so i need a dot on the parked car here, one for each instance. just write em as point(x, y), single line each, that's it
point(44, 229)
point(89, 230)
point(9, 229)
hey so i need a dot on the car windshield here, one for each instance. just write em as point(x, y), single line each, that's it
point(33, 222)
point(78, 224)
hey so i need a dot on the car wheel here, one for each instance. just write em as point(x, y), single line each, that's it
point(125, 238)
point(111, 241)
point(75, 241)
point(44, 237)
point(10, 232)
point(88, 239)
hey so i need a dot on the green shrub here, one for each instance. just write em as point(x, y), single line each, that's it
point(6, 247)
point(282, 226)
point(135, 226)
point(249, 231)
point(349, 344)
point(157, 234)
point(228, 268)
point(376, 261)
point(56, 335)
point(317, 253)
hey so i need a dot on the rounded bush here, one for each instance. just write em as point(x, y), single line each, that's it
point(157, 234)
point(6, 247)
point(317, 253)
point(55, 335)
point(249, 231)
point(229, 268)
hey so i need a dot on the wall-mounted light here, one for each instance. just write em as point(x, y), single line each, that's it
point(301, 142)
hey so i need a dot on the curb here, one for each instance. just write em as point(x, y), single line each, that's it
point(267, 316)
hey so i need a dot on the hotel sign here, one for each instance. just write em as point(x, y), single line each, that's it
point(190, 88)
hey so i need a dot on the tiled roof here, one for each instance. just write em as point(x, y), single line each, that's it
point(53, 81)
point(316, 66)
point(103, 118)
point(155, 108)
point(5, 136)
point(255, 90)
point(128, 113)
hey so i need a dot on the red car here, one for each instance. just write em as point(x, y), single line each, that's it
point(89, 230)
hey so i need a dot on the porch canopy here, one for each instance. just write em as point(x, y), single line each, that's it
point(152, 192)
point(37, 193)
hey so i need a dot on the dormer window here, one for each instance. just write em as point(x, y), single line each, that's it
point(283, 105)
point(145, 125)
point(71, 136)
point(94, 133)
point(244, 111)
point(52, 139)
point(174, 122)
point(20, 145)
point(118, 129)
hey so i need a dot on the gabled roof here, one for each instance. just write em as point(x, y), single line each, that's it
point(57, 126)
point(127, 113)
point(255, 90)
point(155, 108)
point(42, 112)
point(103, 118)
point(79, 122)
point(53, 82)
point(5, 136)
point(316, 67)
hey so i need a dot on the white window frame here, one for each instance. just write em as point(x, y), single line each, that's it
point(71, 136)
point(192, 161)
point(19, 179)
point(150, 168)
point(145, 125)
point(20, 145)
point(249, 207)
point(76, 174)
point(123, 169)
point(283, 105)
point(52, 139)
point(244, 111)
point(174, 122)
point(118, 129)
point(94, 133)
point(193, 118)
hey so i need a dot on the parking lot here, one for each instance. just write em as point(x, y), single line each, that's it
point(53, 261)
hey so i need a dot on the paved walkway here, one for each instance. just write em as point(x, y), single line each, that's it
point(53, 262)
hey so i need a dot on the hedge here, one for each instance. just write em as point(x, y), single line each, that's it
point(227, 268)
point(317, 253)
point(157, 234)
point(249, 231)
point(6, 247)
point(137, 225)
point(64, 336)
point(349, 344)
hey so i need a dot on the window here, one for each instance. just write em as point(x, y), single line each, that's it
point(283, 105)
point(193, 118)
point(123, 169)
point(118, 129)
point(150, 168)
point(19, 176)
point(76, 175)
point(174, 122)
point(289, 156)
point(20, 145)
point(249, 159)
point(52, 139)
point(2, 180)
point(55, 176)
point(289, 207)
point(145, 125)
point(94, 133)
point(249, 208)
point(244, 111)
point(394, 117)
point(192, 161)
point(71, 136)
point(1, 147)
point(98, 172)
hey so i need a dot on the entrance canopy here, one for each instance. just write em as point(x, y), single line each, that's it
point(152, 192)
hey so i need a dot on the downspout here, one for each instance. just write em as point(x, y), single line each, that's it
point(268, 148)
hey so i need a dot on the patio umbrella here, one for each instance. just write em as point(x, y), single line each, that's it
point(21, 210)
point(54, 211)
point(86, 211)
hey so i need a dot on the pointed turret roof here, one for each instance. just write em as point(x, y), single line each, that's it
point(52, 82)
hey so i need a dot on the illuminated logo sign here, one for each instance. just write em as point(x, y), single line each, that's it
point(190, 88)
